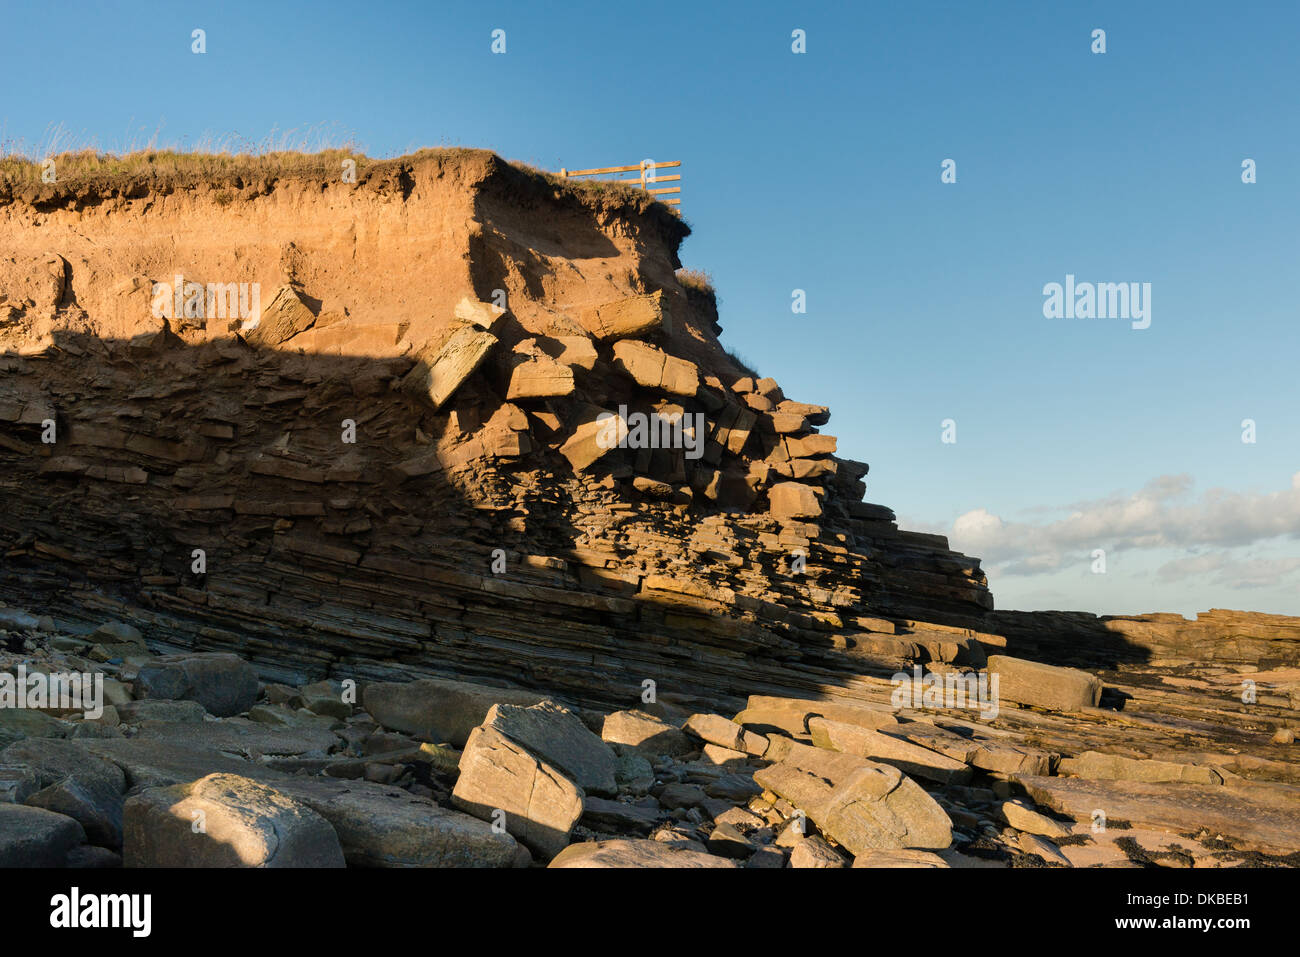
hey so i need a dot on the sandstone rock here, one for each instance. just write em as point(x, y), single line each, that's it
point(248, 739)
point(540, 804)
point(592, 440)
point(1031, 843)
point(620, 815)
point(282, 319)
point(117, 631)
point(791, 715)
point(163, 763)
point(622, 853)
point(224, 684)
point(894, 858)
point(159, 709)
point(17, 783)
point(540, 377)
point(909, 758)
point(35, 837)
point(379, 826)
point(726, 840)
point(1271, 826)
point(862, 805)
point(651, 368)
point(19, 723)
point(481, 314)
point(557, 736)
point(224, 820)
point(1024, 818)
point(646, 733)
point(718, 730)
point(441, 371)
point(438, 710)
point(813, 852)
point(634, 774)
point(1093, 764)
point(1044, 686)
point(793, 500)
point(73, 782)
point(635, 316)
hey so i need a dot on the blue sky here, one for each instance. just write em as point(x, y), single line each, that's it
point(821, 171)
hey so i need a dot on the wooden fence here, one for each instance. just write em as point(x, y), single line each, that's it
point(647, 174)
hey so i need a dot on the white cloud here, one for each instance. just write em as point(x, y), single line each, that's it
point(1159, 516)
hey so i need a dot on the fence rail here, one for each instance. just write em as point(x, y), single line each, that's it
point(648, 173)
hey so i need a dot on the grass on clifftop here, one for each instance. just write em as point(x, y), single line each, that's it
point(178, 166)
point(175, 165)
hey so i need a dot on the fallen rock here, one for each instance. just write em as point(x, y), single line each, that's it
point(899, 857)
point(1044, 686)
point(557, 736)
point(861, 805)
point(813, 852)
point(381, 826)
point(1093, 764)
point(224, 684)
point(635, 316)
point(35, 837)
point(645, 732)
point(154, 709)
point(793, 500)
point(438, 710)
point(224, 820)
point(73, 782)
point(1026, 819)
point(163, 763)
point(442, 369)
point(727, 734)
point(632, 853)
point(619, 815)
point(910, 758)
point(1247, 819)
point(249, 739)
point(502, 783)
point(19, 723)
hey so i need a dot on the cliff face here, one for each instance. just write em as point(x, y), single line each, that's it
point(399, 464)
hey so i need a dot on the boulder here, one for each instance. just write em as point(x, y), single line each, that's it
point(442, 369)
point(503, 783)
point(281, 320)
point(591, 440)
point(223, 683)
point(899, 857)
point(860, 804)
point(635, 316)
point(1043, 686)
point(540, 377)
point(557, 736)
point(156, 709)
point(717, 730)
point(382, 826)
point(35, 837)
point(1094, 764)
point(645, 732)
point(813, 852)
point(250, 739)
point(632, 853)
point(793, 500)
point(909, 758)
point(438, 710)
point(19, 723)
point(1024, 818)
point(164, 762)
point(224, 820)
point(74, 782)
